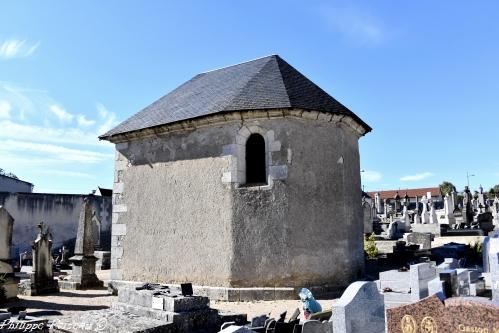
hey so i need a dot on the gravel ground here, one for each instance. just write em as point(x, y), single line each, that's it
point(75, 301)
point(274, 308)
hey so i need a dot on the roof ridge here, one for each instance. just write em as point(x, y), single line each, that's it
point(241, 90)
point(241, 63)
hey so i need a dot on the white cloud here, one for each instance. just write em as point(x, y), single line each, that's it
point(370, 176)
point(417, 177)
point(67, 174)
point(16, 48)
point(108, 118)
point(18, 131)
point(62, 154)
point(61, 113)
point(355, 24)
point(83, 121)
point(5, 108)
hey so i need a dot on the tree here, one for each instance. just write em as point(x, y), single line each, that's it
point(494, 191)
point(447, 188)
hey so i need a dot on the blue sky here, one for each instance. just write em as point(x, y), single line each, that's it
point(424, 75)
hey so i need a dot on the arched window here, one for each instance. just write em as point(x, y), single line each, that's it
point(256, 170)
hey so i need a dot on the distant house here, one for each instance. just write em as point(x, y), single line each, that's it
point(14, 185)
point(413, 195)
point(103, 192)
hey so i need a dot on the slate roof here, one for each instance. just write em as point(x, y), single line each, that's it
point(265, 83)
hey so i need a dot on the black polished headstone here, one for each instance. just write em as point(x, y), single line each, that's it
point(186, 289)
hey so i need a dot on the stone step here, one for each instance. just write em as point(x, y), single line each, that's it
point(173, 302)
point(184, 321)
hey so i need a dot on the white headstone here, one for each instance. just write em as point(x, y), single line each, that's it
point(449, 210)
point(425, 216)
point(360, 309)
point(420, 275)
point(433, 214)
point(406, 219)
point(494, 267)
point(485, 249)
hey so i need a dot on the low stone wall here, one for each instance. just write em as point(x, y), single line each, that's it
point(58, 211)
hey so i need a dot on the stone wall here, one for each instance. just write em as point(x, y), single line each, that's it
point(307, 228)
point(182, 213)
point(58, 211)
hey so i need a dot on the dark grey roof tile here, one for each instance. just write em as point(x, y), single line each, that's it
point(265, 83)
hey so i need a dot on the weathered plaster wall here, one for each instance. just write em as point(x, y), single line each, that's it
point(180, 213)
point(59, 211)
point(183, 210)
point(306, 229)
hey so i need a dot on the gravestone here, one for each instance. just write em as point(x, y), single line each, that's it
point(431, 315)
point(433, 213)
point(83, 262)
point(494, 267)
point(495, 209)
point(6, 227)
point(403, 287)
point(467, 207)
point(425, 216)
point(359, 310)
point(406, 220)
point(449, 263)
point(485, 249)
point(42, 276)
point(421, 238)
point(449, 211)
point(417, 218)
point(420, 275)
point(394, 231)
point(368, 217)
point(377, 203)
point(103, 260)
point(463, 282)
point(436, 286)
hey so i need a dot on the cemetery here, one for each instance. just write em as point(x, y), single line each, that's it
point(224, 196)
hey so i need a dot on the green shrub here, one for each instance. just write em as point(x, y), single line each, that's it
point(370, 247)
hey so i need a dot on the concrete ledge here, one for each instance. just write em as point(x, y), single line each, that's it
point(240, 294)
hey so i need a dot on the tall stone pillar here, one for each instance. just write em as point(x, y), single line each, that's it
point(83, 262)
